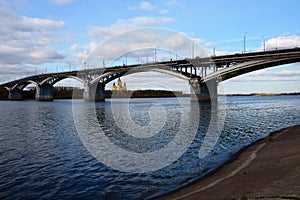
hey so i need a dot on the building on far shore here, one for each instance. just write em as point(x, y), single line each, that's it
point(119, 86)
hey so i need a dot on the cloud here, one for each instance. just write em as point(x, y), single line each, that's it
point(172, 2)
point(10, 72)
point(16, 69)
point(61, 2)
point(179, 5)
point(268, 75)
point(164, 11)
point(144, 5)
point(26, 41)
point(281, 42)
point(153, 80)
point(278, 73)
point(81, 52)
point(259, 79)
point(101, 33)
point(138, 46)
point(125, 39)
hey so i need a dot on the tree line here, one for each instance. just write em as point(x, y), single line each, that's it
point(69, 93)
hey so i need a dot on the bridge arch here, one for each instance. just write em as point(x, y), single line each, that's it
point(126, 43)
point(60, 78)
point(224, 68)
point(247, 67)
point(110, 76)
point(22, 85)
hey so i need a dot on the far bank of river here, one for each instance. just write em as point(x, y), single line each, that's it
point(67, 93)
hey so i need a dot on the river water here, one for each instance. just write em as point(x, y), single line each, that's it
point(51, 149)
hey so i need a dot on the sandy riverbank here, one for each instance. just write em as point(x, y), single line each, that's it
point(268, 169)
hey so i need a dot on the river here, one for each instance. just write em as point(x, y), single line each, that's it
point(51, 150)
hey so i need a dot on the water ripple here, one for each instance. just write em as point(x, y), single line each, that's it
point(41, 155)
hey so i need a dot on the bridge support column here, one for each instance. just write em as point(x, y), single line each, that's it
point(44, 92)
point(95, 92)
point(203, 92)
point(15, 94)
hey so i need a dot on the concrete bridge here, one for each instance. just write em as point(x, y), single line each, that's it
point(203, 74)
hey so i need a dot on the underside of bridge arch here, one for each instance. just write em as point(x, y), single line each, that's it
point(255, 68)
point(55, 79)
point(245, 68)
point(44, 90)
point(110, 76)
point(95, 90)
point(199, 91)
point(16, 91)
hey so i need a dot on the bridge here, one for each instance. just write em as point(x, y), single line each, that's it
point(203, 74)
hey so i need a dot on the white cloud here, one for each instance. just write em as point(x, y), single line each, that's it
point(144, 5)
point(178, 5)
point(101, 33)
point(282, 42)
point(26, 41)
point(120, 43)
point(251, 79)
point(164, 11)
point(145, 21)
point(269, 75)
point(172, 2)
point(15, 69)
point(153, 80)
point(61, 2)
point(139, 45)
point(76, 47)
point(277, 73)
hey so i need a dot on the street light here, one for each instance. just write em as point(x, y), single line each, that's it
point(214, 49)
point(264, 42)
point(193, 49)
point(245, 42)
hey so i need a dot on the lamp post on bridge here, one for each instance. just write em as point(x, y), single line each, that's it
point(213, 45)
point(245, 42)
point(264, 42)
point(193, 49)
point(214, 51)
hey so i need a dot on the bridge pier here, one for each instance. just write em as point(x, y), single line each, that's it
point(15, 94)
point(95, 92)
point(203, 92)
point(44, 92)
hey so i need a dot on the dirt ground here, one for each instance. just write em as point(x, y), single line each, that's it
point(268, 169)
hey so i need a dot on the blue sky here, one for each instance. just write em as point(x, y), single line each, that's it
point(51, 35)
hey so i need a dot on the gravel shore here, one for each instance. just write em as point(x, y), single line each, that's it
point(267, 169)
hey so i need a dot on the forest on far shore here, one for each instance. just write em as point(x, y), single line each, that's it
point(67, 93)
point(76, 93)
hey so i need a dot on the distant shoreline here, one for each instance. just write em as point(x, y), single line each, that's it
point(68, 94)
point(264, 94)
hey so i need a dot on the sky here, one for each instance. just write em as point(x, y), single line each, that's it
point(60, 35)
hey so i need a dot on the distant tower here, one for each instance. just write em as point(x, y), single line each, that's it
point(113, 87)
point(119, 86)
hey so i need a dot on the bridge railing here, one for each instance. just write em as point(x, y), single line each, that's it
point(61, 69)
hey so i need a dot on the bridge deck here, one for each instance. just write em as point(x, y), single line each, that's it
point(217, 61)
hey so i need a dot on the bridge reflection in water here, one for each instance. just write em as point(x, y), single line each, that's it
point(203, 74)
point(151, 134)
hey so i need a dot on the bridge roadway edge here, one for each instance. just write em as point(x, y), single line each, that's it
point(203, 89)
